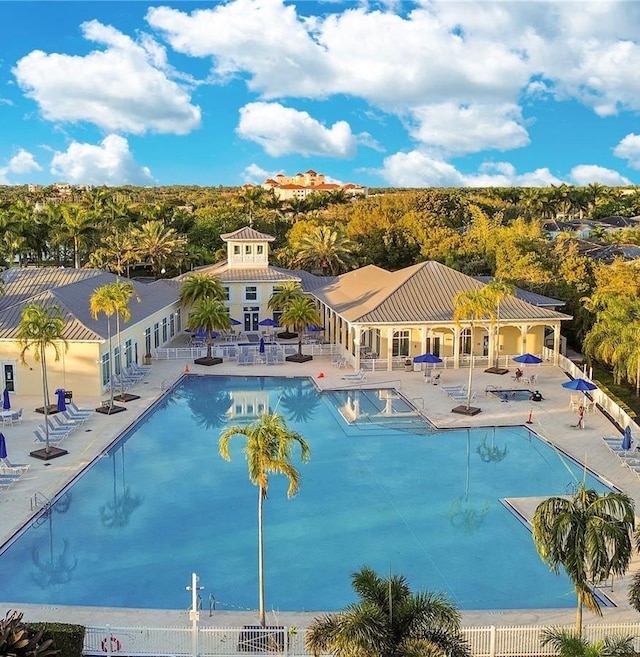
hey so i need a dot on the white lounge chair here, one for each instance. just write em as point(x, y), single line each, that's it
point(7, 465)
point(358, 376)
point(74, 410)
point(54, 438)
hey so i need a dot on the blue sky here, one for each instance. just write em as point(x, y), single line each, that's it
point(386, 93)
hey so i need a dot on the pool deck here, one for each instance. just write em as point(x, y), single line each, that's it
point(551, 419)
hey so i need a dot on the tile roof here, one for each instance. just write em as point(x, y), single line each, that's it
point(71, 294)
point(417, 294)
point(247, 234)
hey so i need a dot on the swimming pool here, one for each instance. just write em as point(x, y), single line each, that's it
point(512, 395)
point(382, 489)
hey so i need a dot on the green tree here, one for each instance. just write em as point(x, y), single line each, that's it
point(567, 644)
point(123, 292)
point(158, 245)
point(472, 306)
point(389, 620)
point(211, 315)
point(326, 249)
point(40, 329)
point(589, 536)
point(196, 287)
point(496, 292)
point(77, 226)
point(268, 450)
point(299, 313)
point(105, 300)
point(283, 295)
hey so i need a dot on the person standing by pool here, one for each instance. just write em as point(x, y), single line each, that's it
point(580, 424)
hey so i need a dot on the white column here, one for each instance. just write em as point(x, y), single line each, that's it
point(556, 344)
point(356, 347)
point(456, 347)
point(389, 349)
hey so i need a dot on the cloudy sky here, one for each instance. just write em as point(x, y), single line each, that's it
point(390, 93)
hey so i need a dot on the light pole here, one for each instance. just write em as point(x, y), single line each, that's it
point(194, 614)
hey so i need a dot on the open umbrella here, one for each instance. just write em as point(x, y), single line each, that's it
point(579, 384)
point(268, 322)
point(6, 402)
point(62, 404)
point(626, 438)
point(312, 328)
point(235, 322)
point(3, 447)
point(527, 359)
point(427, 358)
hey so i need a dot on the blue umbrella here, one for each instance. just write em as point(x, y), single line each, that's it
point(314, 327)
point(427, 358)
point(201, 333)
point(268, 322)
point(62, 404)
point(579, 384)
point(261, 347)
point(527, 359)
point(235, 322)
point(626, 438)
point(6, 402)
point(3, 447)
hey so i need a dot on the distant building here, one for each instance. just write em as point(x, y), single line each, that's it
point(310, 182)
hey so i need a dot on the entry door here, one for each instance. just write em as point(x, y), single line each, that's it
point(251, 320)
point(433, 346)
point(8, 376)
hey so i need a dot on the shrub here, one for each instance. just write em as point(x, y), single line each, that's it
point(17, 638)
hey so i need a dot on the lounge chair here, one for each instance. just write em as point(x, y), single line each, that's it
point(57, 424)
point(358, 376)
point(54, 436)
point(7, 480)
point(454, 389)
point(74, 420)
point(462, 397)
point(74, 410)
point(7, 465)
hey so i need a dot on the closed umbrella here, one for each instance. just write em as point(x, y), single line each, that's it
point(3, 447)
point(6, 402)
point(527, 359)
point(261, 347)
point(626, 438)
point(62, 404)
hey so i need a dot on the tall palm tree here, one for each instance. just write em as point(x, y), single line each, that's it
point(157, 244)
point(389, 620)
point(471, 306)
point(300, 312)
point(211, 315)
point(268, 450)
point(567, 644)
point(200, 286)
point(282, 295)
point(41, 329)
point(589, 536)
point(123, 292)
point(327, 249)
point(496, 291)
point(105, 300)
point(77, 226)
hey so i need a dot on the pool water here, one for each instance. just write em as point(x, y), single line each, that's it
point(512, 395)
point(382, 489)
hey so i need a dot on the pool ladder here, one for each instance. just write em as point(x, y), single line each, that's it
point(40, 501)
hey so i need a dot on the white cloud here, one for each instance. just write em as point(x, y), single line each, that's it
point(584, 174)
point(108, 163)
point(255, 174)
point(125, 87)
point(629, 149)
point(470, 128)
point(421, 169)
point(282, 130)
point(21, 163)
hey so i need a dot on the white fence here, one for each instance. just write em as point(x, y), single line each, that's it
point(489, 641)
point(231, 352)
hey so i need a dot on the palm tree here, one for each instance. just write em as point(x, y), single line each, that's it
point(200, 286)
point(327, 249)
point(269, 444)
point(77, 226)
point(106, 300)
point(211, 315)
point(300, 312)
point(589, 535)
point(496, 291)
point(157, 244)
point(123, 292)
point(39, 329)
point(281, 297)
point(471, 306)
point(389, 621)
point(567, 644)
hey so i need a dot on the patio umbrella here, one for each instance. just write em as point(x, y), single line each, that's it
point(579, 384)
point(3, 447)
point(527, 359)
point(62, 404)
point(261, 347)
point(268, 322)
point(312, 328)
point(427, 358)
point(235, 322)
point(6, 402)
point(626, 438)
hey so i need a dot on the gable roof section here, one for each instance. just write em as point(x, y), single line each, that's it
point(228, 274)
point(417, 294)
point(73, 300)
point(246, 234)
point(529, 297)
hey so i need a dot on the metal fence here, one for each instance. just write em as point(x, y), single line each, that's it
point(488, 641)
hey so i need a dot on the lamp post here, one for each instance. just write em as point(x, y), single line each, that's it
point(194, 614)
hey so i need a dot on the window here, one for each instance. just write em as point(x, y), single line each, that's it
point(104, 367)
point(164, 330)
point(172, 325)
point(156, 335)
point(401, 343)
point(465, 341)
point(128, 353)
point(247, 249)
point(225, 291)
point(178, 320)
point(147, 340)
point(251, 293)
point(236, 249)
point(116, 357)
point(259, 249)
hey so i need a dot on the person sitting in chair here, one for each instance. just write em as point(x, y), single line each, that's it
point(536, 396)
point(518, 374)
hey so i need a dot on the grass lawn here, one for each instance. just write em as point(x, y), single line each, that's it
point(619, 392)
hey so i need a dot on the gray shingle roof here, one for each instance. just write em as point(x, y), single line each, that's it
point(417, 294)
point(71, 294)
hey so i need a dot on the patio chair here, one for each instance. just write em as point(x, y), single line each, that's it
point(7, 480)
point(358, 376)
point(77, 412)
point(462, 397)
point(454, 389)
point(7, 465)
point(16, 418)
point(56, 424)
point(54, 438)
